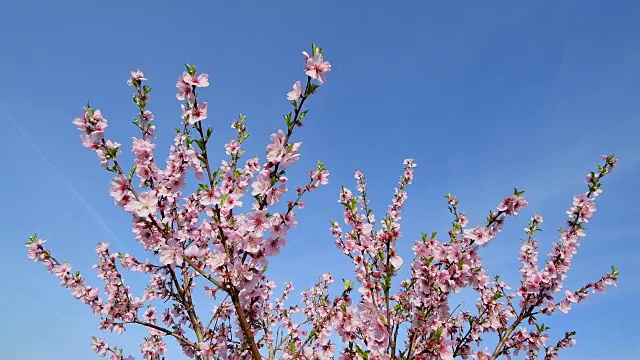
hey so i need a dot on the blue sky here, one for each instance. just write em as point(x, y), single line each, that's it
point(484, 95)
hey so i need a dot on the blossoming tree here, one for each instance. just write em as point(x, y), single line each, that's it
point(222, 239)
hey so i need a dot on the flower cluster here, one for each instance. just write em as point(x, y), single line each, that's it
point(218, 239)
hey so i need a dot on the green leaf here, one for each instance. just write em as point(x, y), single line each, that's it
point(347, 284)
point(202, 187)
point(363, 354)
point(316, 50)
point(614, 271)
point(191, 69)
point(438, 333)
point(32, 239)
point(302, 115)
point(287, 119)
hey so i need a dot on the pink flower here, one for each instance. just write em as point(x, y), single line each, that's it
point(211, 196)
point(258, 222)
point(252, 243)
point(195, 252)
point(276, 150)
point(511, 204)
point(217, 259)
point(275, 193)
point(143, 149)
point(463, 220)
point(82, 123)
point(91, 141)
point(197, 113)
point(445, 350)
point(319, 177)
point(396, 261)
point(185, 91)
point(136, 77)
point(145, 205)
point(103, 153)
point(150, 315)
point(102, 248)
point(482, 355)
point(147, 115)
point(171, 253)
point(201, 80)
point(119, 186)
point(564, 306)
point(100, 347)
point(206, 350)
point(262, 183)
point(480, 235)
point(296, 92)
point(410, 163)
point(316, 67)
point(232, 147)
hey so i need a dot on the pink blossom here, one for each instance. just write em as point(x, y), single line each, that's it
point(479, 235)
point(143, 149)
point(396, 261)
point(316, 67)
point(197, 113)
point(194, 251)
point(206, 350)
point(326, 277)
point(100, 347)
point(564, 306)
point(136, 76)
point(91, 141)
point(201, 80)
point(463, 220)
point(185, 91)
point(319, 177)
point(262, 183)
point(211, 196)
point(276, 150)
point(275, 193)
point(171, 253)
point(232, 147)
point(296, 92)
point(445, 350)
point(252, 244)
point(512, 204)
point(146, 204)
point(147, 115)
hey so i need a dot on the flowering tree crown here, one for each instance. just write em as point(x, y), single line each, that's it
point(222, 239)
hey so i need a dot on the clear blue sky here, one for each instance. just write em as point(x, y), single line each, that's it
point(484, 95)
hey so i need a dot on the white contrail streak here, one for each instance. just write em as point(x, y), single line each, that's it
point(61, 177)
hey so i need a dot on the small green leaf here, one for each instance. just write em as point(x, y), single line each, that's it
point(614, 271)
